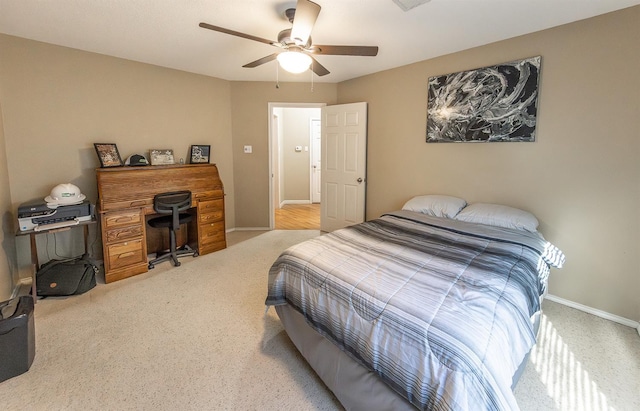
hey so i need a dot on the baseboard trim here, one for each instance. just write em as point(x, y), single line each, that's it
point(595, 311)
point(250, 229)
point(285, 202)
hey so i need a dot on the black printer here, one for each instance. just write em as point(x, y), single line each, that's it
point(37, 215)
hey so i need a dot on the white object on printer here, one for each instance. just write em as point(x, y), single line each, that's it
point(64, 194)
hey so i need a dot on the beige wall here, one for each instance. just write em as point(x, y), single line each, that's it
point(581, 178)
point(8, 272)
point(249, 105)
point(58, 101)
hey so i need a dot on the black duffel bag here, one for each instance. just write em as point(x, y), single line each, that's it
point(66, 277)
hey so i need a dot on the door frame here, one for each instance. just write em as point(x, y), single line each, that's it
point(271, 107)
point(313, 151)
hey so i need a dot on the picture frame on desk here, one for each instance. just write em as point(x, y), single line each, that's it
point(160, 157)
point(200, 154)
point(108, 155)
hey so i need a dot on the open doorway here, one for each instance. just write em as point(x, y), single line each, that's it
point(294, 144)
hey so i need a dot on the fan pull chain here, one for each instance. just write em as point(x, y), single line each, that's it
point(277, 75)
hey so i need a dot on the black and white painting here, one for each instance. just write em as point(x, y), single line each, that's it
point(497, 103)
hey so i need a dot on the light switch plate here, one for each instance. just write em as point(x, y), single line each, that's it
point(248, 149)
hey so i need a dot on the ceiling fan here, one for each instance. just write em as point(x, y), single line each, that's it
point(295, 43)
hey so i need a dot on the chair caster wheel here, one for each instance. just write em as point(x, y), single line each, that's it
point(196, 254)
point(151, 266)
point(178, 263)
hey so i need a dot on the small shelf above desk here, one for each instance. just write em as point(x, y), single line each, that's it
point(125, 198)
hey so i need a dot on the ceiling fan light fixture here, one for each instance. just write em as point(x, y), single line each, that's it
point(294, 61)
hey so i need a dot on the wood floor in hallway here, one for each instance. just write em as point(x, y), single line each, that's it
point(298, 217)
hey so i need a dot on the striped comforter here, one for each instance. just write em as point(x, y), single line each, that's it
point(439, 309)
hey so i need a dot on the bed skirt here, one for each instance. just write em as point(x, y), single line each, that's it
point(356, 387)
point(353, 385)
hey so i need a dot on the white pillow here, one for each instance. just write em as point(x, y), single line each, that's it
point(499, 215)
point(436, 205)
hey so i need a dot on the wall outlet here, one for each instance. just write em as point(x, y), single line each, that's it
point(248, 149)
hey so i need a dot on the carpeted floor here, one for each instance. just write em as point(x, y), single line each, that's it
point(196, 337)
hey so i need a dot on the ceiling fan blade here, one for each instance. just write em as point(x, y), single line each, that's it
point(261, 61)
point(304, 20)
point(237, 33)
point(344, 50)
point(318, 68)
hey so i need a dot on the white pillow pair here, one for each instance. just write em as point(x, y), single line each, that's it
point(480, 213)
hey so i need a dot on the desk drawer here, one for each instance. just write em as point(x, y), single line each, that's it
point(203, 195)
point(125, 253)
point(206, 218)
point(211, 233)
point(122, 218)
point(123, 233)
point(210, 206)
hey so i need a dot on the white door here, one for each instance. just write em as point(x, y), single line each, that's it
point(316, 139)
point(344, 146)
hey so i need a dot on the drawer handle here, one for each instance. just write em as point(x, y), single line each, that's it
point(124, 219)
point(137, 203)
point(125, 255)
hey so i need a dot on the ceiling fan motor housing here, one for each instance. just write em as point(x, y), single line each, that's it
point(284, 38)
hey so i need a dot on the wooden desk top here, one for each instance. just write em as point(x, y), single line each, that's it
point(132, 187)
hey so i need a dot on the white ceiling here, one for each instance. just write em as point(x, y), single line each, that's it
point(166, 32)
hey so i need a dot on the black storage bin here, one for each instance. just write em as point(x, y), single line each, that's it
point(17, 337)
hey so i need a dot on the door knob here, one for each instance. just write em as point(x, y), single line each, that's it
point(359, 180)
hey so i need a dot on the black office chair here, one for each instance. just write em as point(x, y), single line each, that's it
point(173, 204)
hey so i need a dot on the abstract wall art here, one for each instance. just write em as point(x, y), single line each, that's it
point(496, 103)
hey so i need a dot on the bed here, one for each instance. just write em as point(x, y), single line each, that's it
point(429, 307)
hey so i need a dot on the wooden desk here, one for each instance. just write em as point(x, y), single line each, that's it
point(125, 198)
point(34, 249)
